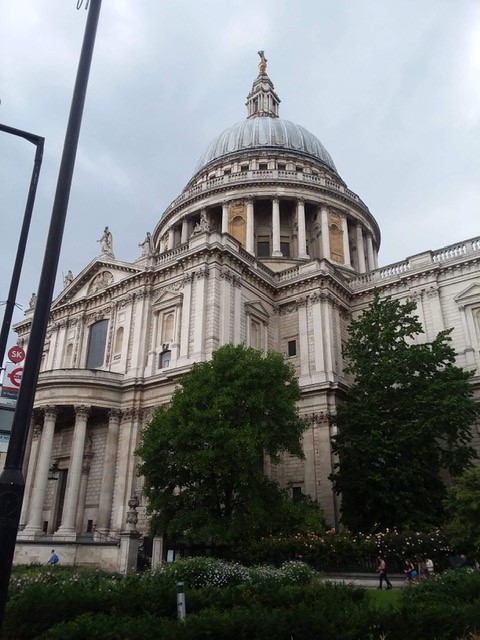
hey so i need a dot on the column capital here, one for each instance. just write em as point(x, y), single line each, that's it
point(114, 415)
point(300, 200)
point(82, 411)
point(276, 199)
point(50, 411)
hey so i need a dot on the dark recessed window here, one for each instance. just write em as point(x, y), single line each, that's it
point(227, 172)
point(281, 166)
point(244, 167)
point(263, 249)
point(96, 344)
point(299, 169)
point(285, 249)
point(263, 166)
point(164, 359)
point(297, 494)
point(292, 348)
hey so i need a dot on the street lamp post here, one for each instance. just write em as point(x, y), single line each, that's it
point(22, 241)
point(12, 482)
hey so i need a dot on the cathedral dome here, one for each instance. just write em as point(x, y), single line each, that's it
point(265, 133)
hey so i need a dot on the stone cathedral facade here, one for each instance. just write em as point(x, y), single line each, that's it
point(266, 246)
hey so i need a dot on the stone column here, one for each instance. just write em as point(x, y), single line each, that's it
point(30, 474)
point(171, 238)
point(325, 232)
point(360, 249)
point(250, 242)
point(276, 228)
point(370, 253)
point(225, 207)
point(346, 243)
point(302, 239)
point(67, 528)
point(35, 521)
point(185, 229)
point(108, 475)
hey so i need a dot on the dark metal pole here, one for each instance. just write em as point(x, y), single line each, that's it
point(22, 242)
point(12, 483)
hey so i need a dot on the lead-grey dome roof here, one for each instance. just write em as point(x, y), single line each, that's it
point(260, 133)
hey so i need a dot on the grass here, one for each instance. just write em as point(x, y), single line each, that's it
point(384, 600)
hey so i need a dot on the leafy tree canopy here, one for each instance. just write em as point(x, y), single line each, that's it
point(462, 504)
point(405, 420)
point(203, 455)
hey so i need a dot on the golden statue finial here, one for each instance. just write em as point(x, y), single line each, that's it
point(262, 67)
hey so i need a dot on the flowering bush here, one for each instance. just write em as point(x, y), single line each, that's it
point(345, 550)
point(203, 572)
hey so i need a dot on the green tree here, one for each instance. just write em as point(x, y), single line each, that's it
point(406, 418)
point(462, 505)
point(203, 455)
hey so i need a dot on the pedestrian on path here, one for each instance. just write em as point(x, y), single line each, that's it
point(53, 558)
point(382, 573)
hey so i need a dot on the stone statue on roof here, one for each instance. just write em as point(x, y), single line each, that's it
point(262, 67)
point(106, 243)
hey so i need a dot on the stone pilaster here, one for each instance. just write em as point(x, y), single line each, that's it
point(108, 475)
point(250, 227)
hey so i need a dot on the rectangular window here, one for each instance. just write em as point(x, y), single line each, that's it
point(281, 166)
point(263, 248)
point(285, 249)
point(89, 526)
point(292, 348)
point(244, 167)
point(297, 494)
point(96, 344)
point(263, 166)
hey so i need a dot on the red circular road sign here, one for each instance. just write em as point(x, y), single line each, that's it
point(16, 354)
point(15, 377)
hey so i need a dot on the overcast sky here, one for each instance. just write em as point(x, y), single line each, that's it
point(392, 89)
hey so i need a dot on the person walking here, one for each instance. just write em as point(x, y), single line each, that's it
point(409, 571)
point(382, 573)
point(53, 558)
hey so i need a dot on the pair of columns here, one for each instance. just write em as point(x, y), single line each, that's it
point(76, 479)
point(250, 231)
point(366, 255)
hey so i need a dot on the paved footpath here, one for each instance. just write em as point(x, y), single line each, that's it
point(366, 580)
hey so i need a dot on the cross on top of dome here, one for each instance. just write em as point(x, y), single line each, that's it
point(262, 101)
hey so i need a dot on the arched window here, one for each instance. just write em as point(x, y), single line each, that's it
point(255, 340)
point(117, 350)
point(96, 344)
point(164, 359)
point(167, 327)
point(68, 356)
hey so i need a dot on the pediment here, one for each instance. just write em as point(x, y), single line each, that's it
point(471, 295)
point(98, 276)
point(168, 297)
point(257, 308)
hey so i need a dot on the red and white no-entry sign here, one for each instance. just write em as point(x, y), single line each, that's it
point(16, 354)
